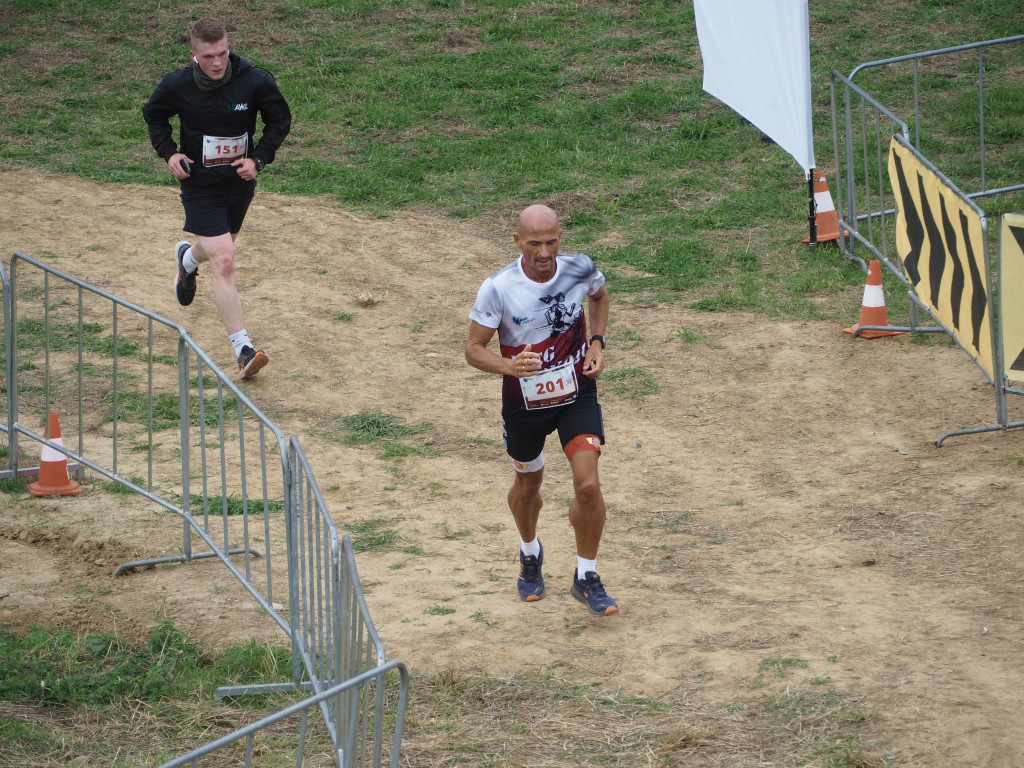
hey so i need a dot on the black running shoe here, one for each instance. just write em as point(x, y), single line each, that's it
point(590, 592)
point(185, 283)
point(251, 361)
point(530, 584)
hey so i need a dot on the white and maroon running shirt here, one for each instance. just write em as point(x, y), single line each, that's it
point(550, 317)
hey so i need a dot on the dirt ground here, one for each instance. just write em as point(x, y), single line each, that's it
point(780, 497)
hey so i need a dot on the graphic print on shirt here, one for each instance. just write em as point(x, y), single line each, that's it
point(559, 318)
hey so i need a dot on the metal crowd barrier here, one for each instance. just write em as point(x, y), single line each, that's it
point(941, 56)
point(862, 129)
point(153, 413)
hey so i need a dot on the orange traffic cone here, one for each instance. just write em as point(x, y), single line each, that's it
point(53, 466)
point(872, 309)
point(826, 220)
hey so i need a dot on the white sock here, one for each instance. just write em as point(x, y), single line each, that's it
point(531, 549)
point(188, 261)
point(239, 340)
point(584, 566)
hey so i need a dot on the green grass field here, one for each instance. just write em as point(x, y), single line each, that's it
point(475, 109)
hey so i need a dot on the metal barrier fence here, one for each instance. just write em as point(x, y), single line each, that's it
point(862, 128)
point(863, 131)
point(944, 57)
point(153, 413)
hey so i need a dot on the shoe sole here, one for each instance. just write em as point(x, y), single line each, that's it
point(177, 277)
point(255, 365)
point(532, 598)
point(611, 610)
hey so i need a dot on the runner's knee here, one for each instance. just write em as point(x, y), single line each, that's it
point(587, 490)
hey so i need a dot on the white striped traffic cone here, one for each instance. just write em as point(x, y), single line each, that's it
point(872, 309)
point(53, 466)
point(826, 220)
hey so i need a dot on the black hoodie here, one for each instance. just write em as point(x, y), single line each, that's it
point(227, 111)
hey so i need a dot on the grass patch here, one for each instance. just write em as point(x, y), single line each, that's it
point(384, 430)
point(50, 667)
point(134, 406)
point(438, 610)
point(484, 722)
point(14, 486)
point(64, 336)
point(780, 667)
point(118, 489)
point(234, 505)
point(374, 426)
point(630, 382)
point(100, 699)
point(55, 667)
point(687, 336)
point(379, 534)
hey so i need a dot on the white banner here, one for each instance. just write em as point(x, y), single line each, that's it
point(757, 60)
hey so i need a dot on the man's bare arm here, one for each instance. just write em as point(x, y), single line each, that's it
point(526, 363)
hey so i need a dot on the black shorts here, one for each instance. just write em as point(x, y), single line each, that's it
point(526, 431)
point(216, 210)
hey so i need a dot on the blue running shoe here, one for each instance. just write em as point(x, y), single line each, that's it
point(590, 592)
point(531, 581)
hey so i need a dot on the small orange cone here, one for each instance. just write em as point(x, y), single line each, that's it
point(872, 309)
point(826, 220)
point(53, 466)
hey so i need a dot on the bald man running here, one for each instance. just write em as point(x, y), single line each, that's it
point(549, 369)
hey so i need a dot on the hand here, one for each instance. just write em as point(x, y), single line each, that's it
point(174, 165)
point(526, 363)
point(593, 363)
point(246, 168)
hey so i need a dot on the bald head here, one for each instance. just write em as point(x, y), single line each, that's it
point(538, 237)
point(537, 217)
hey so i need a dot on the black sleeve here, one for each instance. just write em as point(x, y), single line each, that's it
point(276, 116)
point(157, 113)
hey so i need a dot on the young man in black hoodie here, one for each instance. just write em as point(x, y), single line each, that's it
point(216, 98)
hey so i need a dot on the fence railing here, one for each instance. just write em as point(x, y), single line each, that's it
point(862, 129)
point(375, 678)
point(973, 58)
point(153, 413)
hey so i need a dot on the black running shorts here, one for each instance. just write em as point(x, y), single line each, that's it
point(216, 210)
point(526, 431)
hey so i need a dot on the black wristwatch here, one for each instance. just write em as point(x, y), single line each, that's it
point(596, 337)
point(259, 163)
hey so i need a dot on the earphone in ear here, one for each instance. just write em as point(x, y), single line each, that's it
point(195, 59)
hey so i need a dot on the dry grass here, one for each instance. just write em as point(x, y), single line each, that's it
point(136, 733)
point(461, 719)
